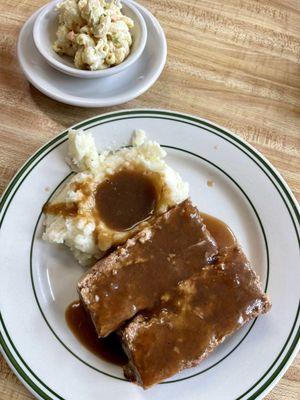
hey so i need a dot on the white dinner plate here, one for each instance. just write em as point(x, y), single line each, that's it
point(38, 279)
point(99, 92)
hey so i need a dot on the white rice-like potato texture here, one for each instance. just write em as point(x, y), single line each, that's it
point(82, 230)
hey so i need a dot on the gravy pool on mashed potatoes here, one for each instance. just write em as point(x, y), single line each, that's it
point(72, 216)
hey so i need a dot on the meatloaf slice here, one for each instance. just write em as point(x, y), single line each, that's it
point(136, 275)
point(193, 319)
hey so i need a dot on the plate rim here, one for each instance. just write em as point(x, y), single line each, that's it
point(175, 116)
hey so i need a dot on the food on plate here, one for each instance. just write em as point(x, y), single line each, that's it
point(81, 325)
point(199, 314)
point(94, 32)
point(172, 293)
point(112, 196)
point(168, 284)
point(141, 273)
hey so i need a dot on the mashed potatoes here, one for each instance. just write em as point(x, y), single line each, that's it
point(72, 217)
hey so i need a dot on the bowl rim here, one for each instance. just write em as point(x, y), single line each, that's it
point(60, 66)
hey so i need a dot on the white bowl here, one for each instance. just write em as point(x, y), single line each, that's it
point(99, 92)
point(44, 35)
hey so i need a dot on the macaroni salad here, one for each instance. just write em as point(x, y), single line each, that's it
point(94, 32)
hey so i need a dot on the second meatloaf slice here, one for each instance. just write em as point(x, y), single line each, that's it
point(142, 272)
point(197, 317)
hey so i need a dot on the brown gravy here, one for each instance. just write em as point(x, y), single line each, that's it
point(219, 231)
point(80, 323)
point(63, 209)
point(196, 318)
point(110, 348)
point(69, 209)
point(126, 199)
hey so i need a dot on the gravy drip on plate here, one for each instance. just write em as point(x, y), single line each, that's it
point(80, 323)
point(220, 231)
point(126, 199)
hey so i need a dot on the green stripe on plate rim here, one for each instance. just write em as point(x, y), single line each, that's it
point(253, 154)
point(174, 380)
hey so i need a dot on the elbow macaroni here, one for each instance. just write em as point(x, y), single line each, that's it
point(94, 32)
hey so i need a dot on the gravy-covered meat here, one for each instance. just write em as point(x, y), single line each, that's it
point(141, 273)
point(193, 319)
